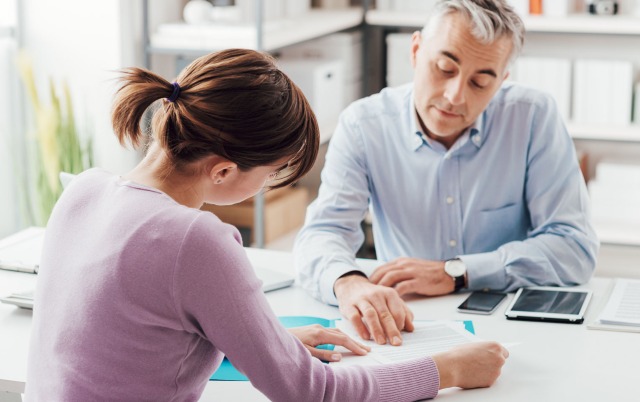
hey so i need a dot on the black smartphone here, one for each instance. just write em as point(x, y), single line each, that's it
point(482, 302)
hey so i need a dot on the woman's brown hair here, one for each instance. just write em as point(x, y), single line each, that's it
point(234, 103)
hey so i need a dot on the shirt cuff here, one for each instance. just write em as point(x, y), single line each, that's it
point(484, 271)
point(329, 278)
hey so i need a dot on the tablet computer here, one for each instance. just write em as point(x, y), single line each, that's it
point(540, 303)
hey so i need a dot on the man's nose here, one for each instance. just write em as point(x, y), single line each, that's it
point(454, 92)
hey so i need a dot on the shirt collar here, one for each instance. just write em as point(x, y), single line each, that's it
point(417, 138)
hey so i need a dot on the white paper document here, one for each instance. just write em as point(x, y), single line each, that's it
point(623, 307)
point(428, 338)
point(21, 251)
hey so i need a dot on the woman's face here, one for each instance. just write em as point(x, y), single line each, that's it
point(240, 185)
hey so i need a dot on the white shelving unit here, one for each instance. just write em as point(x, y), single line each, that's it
point(630, 133)
point(573, 24)
point(262, 35)
point(276, 34)
point(609, 37)
point(583, 24)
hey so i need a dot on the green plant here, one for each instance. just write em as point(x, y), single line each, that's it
point(55, 145)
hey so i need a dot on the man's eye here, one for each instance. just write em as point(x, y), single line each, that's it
point(445, 68)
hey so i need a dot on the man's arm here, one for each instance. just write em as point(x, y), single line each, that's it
point(561, 246)
point(325, 248)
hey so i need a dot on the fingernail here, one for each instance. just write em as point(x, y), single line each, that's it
point(397, 341)
point(336, 357)
point(381, 340)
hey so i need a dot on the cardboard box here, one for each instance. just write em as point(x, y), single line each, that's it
point(284, 211)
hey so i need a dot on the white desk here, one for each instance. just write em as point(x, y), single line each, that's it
point(553, 362)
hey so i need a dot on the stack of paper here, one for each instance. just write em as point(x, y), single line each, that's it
point(551, 75)
point(428, 338)
point(622, 311)
point(21, 251)
point(615, 200)
point(603, 92)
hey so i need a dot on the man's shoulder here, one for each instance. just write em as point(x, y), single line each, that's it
point(511, 93)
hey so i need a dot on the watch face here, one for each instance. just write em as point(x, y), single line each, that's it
point(455, 268)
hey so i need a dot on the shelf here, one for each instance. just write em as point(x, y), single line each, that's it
point(614, 234)
point(630, 133)
point(396, 18)
point(184, 39)
point(583, 24)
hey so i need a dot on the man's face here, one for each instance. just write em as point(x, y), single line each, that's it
point(455, 76)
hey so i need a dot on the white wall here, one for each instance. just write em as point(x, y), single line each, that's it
point(9, 219)
point(83, 42)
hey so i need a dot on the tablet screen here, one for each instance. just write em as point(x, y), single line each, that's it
point(547, 301)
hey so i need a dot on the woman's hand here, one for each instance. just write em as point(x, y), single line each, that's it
point(314, 335)
point(474, 365)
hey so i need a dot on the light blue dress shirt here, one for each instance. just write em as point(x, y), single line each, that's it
point(508, 198)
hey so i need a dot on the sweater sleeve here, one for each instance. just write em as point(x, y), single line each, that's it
point(218, 296)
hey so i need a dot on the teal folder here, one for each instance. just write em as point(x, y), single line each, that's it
point(226, 371)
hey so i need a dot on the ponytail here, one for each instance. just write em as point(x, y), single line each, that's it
point(140, 89)
point(234, 103)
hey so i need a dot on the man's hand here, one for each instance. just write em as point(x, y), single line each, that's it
point(474, 365)
point(314, 335)
point(411, 275)
point(376, 312)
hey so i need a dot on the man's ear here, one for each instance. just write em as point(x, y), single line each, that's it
point(506, 75)
point(221, 169)
point(416, 42)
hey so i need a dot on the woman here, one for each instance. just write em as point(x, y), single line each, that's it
point(140, 293)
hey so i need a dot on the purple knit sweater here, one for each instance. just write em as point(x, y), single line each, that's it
point(139, 298)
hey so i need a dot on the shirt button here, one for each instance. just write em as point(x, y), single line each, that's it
point(449, 200)
point(417, 141)
point(452, 243)
point(476, 139)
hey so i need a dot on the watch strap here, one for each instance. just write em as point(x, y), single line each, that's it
point(458, 283)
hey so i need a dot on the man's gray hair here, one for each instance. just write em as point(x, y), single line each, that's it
point(490, 20)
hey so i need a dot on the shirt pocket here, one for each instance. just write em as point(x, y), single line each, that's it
point(491, 228)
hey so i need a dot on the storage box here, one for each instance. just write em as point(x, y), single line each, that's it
point(322, 83)
point(345, 46)
point(284, 211)
point(399, 69)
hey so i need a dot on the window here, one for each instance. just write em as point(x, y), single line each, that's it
point(10, 109)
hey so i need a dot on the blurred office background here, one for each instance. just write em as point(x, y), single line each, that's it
point(337, 51)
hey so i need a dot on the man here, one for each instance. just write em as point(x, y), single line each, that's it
point(472, 182)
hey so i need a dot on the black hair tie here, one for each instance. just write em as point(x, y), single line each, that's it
point(175, 93)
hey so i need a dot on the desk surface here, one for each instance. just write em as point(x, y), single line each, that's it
point(551, 362)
